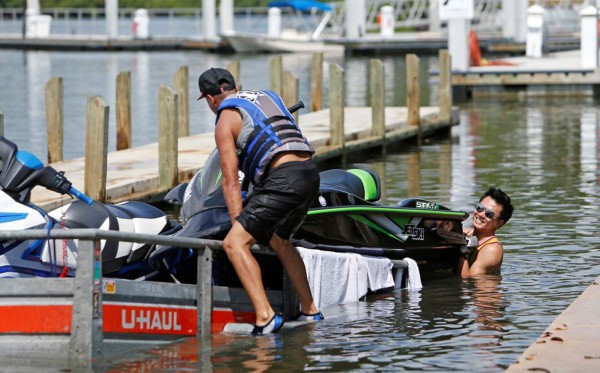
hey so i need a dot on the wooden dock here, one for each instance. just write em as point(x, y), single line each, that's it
point(557, 74)
point(102, 43)
point(424, 42)
point(427, 42)
point(133, 173)
point(148, 172)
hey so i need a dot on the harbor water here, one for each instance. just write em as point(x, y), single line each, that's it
point(543, 151)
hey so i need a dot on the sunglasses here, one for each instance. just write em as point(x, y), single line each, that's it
point(488, 213)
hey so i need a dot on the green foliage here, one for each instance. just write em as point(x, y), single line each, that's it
point(125, 3)
point(122, 3)
point(12, 3)
point(72, 4)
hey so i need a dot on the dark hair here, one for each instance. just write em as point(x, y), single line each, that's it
point(503, 199)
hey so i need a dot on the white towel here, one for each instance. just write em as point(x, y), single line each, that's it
point(379, 271)
point(336, 278)
point(414, 276)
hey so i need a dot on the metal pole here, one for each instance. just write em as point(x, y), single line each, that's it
point(86, 328)
point(208, 19)
point(111, 8)
point(205, 293)
point(24, 28)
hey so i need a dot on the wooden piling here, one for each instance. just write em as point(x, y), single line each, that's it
point(377, 93)
point(180, 84)
point(414, 174)
point(316, 82)
point(276, 73)
point(54, 119)
point(234, 68)
point(123, 103)
point(445, 170)
point(96, 149)
point(167, 136)
point(289, 90)
point(445, 86)
point(413, 100)
point(336, 104)
point(1, 123)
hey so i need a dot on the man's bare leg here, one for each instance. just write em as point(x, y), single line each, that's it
point(237, 245)
point(293, 264)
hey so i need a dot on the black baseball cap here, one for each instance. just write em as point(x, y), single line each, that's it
point(211, 81)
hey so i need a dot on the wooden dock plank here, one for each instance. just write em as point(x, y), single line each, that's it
point(556, 69)
point(133, 173)
point(558, 61)
point(103, 43)
point(524, 78)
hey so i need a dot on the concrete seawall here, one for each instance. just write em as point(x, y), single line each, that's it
point(571, 343)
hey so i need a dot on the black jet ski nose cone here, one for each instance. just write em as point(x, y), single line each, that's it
point(212, 223)
point(209, 224)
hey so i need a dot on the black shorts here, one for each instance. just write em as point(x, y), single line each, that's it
point(279, 203)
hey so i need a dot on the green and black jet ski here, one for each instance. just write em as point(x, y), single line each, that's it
point(348, 216)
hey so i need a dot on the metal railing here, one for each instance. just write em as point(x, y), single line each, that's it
point(86, 337)
point(89, 261)
point(561, 16)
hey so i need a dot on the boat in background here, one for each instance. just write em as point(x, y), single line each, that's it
point(290, 41)
point(298, 37)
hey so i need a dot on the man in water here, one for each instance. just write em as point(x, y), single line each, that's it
point(484, 253)
point(256, 134)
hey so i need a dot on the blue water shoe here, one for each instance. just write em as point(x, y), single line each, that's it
point(272, 326)
point(313, 317)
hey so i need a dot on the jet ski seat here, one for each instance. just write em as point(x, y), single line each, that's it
point(132, 216)
point(363, 183)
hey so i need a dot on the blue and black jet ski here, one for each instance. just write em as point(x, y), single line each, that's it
point(20, 172)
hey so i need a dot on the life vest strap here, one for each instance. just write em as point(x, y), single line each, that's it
point(262, 139)
point(254, 166)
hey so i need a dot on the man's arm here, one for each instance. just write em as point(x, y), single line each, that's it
point(226, 132)
point(488, 262)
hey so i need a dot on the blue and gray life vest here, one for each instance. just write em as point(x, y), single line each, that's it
point(274, 130)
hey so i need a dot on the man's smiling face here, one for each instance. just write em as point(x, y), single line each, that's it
point(487, 215)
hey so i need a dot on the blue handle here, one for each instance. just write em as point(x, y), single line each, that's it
point(81, 196)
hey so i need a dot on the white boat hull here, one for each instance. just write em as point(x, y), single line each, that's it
point(259, 43)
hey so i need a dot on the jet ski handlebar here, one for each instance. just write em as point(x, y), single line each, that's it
point(81, 196)
point(296, 107)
